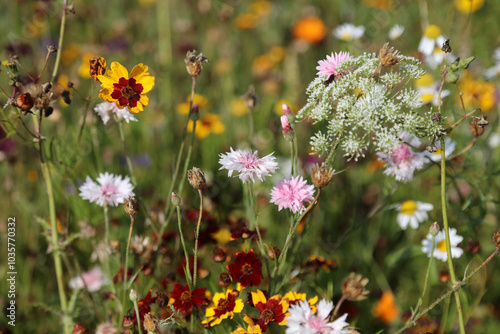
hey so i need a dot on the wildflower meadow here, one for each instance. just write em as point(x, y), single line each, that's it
point(244, 167)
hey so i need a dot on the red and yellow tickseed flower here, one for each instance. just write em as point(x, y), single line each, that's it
point(184, 300)
point(309, 29)
point(271, 310)
point(386, 309)
point(246, 269)
point(225, 305)
point(207, 124)
point(478, 93)
point(293, 297)
point(124, 90)
point(200, 100)
point(252, 327)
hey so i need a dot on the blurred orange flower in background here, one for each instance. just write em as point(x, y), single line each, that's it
point(309, 29)
point(468, 6)
point(478, 93)
point(386, 309)
point(207, 124)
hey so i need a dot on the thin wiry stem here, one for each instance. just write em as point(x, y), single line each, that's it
point(195, 265)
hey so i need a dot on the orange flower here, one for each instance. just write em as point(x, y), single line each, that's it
point(207, 124)
point(478, 93)
point(386, 309)
point(310, 29)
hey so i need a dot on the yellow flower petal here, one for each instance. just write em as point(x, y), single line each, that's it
point(147, 82)
point(139, 71)
point(106, 82)
point(238, 307)
point(105, 94)
point(258, 297)
point(117, 71)
point(144, 100)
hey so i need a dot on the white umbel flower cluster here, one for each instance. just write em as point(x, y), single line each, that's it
point(364, 110)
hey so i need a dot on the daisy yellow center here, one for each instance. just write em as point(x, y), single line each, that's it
point(346, 35)
point(441, 246)
point(438, 152)
point(409, 208)
point(424, 81)
point(427, 97)
point(186, 296)
point(432, 31)
point(267, 316)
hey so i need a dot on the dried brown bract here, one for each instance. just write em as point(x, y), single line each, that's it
point(353, 288)
point(388, 56)
point(194, 63)
point(321, 176)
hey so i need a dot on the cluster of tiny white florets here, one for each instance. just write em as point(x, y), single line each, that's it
point(367, 110)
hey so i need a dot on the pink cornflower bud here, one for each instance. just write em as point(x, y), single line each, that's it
point(434, 230)
point(287, 128)
point(195, 112)
point(286, 110)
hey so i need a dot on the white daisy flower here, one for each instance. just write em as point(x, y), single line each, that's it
point(106, 109)
point(440, 248)
point(109, 190)
point(429, 89)
point(348, 32)
point(449, 148)
point(494, 140)
point(396, 31)
point(303, 321)
point(248, 164)
point(412, 213)
point(432, 37)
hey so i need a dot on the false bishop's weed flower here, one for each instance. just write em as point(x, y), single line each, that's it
point(302, 319)
point(271, 309)
point(127, 90)
point(246, 269)
point(440, 251)
point(106, 109)
point(110, 190)
point(248, 164)
point(292, 193)
point(412, 213)
point(184, 300)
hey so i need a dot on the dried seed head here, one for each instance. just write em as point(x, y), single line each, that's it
point(193, 63)
point(97, 67)
point(321, 176)
point(220, 254)
point(131, 205)
point(353, 287)
point(142, 246)
point(25, 102)
point(196, 178)
point(250, 98)
point(388, 56)
point(431, 148)
point(496, 238)
point(150, 323)
point(477, 125)
point(224, 280)
point(446, 48)
point(51, 49)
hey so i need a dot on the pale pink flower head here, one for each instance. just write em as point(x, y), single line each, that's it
point(287, 128)
point(291, 193)
point(106, 328)
point(93, 280)
point(402, 161)
point(303, 321)
point(248, 164)
point(329, 66)
point(110, 190)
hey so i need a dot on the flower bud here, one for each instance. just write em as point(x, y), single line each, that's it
point(176, 200)
point(274, 253)
point(194, 114)
point(97, 67)
point(477, 126)
point(224, 280)
point(286, 110)
point(128, 322)
point(193, 63)
point(287, 128)
point(131, 205)
point(444, 276)
point(434, 230)
point(250, 98)
point(220, 254)
point(25, 102)
point(196, 178)
point(132, 295)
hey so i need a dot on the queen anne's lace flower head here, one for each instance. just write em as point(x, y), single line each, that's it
point(291, 193)
point(109, 190)
point(248, 164)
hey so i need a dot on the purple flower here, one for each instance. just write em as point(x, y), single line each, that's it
point(248, 164)
point(329, 66)
point(110, 190)
point(291, 193)
point(403, 161)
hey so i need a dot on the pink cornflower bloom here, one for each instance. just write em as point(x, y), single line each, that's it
point(93, 280)
point(291, 193)
point(403, 161)
point(329, 66)
point(287, 128)
point(303, 321)
point(248, 164)
point(110, 190)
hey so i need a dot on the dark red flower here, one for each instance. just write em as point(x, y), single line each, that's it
point(127, 92)
point(185, 300)
point(144, 308)
point(246, 269)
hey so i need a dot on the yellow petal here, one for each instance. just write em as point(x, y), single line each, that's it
point(218, 128)
point(238, 307)
point(117, 71)
point(138, 71)
point(106, 82)
point(210, 312)
point(144, 100)
point(105, 94)
point(258, 297)
point(147, 82)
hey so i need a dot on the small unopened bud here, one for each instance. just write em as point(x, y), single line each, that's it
point(473, 246)
point(235, 293)
point(132, 295)
point(250, 98)
point(97, 67)
point(131, 205)
point(477, 126)
point(196, 178)
point(194, 115)
point(51, 49)
point(274, 253)
point(224, 280)
point(70, 84)
point(444, 276)
point(150, 323)
point(48, 111)
point(388, 56)
point(286, 110)
point(287, 128)
point(193, 63)
point(25, 102)
point(446, 48)
point(434, 230)
point(220, 254)
point(176, 200)
point(79, 329)
point(321, 176)
point(496, 238)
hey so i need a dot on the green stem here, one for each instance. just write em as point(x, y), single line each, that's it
point(253, 217)
point(292, 154)
point(137, 315)
point(125, 272)
point(188, 158)
point(59, 46)
point(250, 128)
point(447, 235)
point(127, 157)
point(195, 265)
point(188, 272)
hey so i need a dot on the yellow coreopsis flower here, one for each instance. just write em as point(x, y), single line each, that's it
point(252, 327)
point(207, 124)
point(468, 6)
point(224, 306)
point(127, 90)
